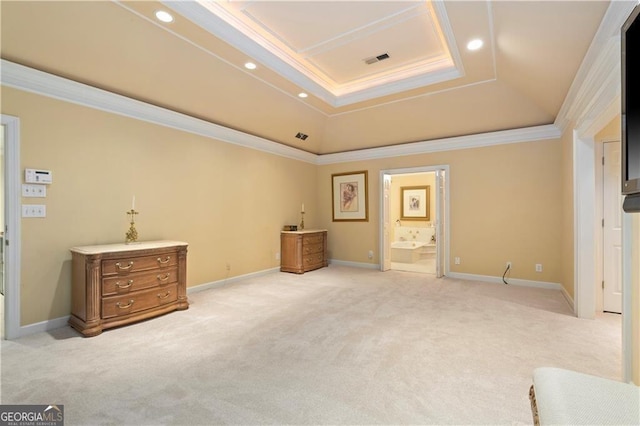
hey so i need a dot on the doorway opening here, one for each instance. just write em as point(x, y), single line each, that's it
point(414, 225)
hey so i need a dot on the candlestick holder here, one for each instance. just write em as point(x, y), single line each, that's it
point(132, 234)
point(302, 221)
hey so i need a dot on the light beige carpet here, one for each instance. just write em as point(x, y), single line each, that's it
point(335, 346)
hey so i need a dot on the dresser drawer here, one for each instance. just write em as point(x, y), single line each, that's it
point(114, 306)
point(134, 264)
point(312, 248)
point(312, 239)
point(312, 260)
point(138, 281)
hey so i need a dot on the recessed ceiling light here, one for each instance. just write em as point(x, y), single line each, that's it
point(475, 44)
point(250, 66)
point(302, 95)
point(164, 16)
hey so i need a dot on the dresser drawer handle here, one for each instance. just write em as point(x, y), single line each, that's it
point(125, 306)
point(124, 268)
point(163, 262)
point(166, 277)
point(165, 296)
point(127, 285)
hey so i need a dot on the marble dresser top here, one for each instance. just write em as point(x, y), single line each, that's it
point(141, 245)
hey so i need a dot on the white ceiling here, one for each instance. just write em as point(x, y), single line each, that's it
point(430, 88)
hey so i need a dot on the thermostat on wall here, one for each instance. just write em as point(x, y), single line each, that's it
point(37, 176)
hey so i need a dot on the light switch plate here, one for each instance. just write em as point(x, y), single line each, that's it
point(39, 191)
point(34, 210)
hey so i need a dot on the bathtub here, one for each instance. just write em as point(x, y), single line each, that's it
point(407, 251)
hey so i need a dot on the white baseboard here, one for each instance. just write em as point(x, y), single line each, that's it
point(42, 326)
point(354, 264)
point(569, 299)
point(220, 283)
point(511, 281)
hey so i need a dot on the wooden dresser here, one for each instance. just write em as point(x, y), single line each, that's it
point(303, 251)
point(117, 284)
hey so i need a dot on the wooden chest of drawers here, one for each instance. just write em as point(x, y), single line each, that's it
point(303, 251)
point(117, 284)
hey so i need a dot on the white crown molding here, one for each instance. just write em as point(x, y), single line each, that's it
point(42, 83)
point(390, 88)
point(597, 82)
point(214, 19)
point(527, 134)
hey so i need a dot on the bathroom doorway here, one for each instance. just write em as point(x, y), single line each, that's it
point(414, 227)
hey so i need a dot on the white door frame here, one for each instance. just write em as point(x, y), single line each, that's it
point(12, 195)
point(584, 201)
point(384, 220)
point(585, 231)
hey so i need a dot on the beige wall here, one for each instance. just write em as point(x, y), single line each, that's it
point(228, 202)
point(611, 132)
point(505, 205)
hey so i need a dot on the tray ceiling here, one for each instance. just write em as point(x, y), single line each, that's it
point(431, 86)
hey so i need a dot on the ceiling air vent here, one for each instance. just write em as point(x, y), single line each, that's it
point(375, 59)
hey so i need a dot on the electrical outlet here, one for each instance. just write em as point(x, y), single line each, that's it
point(370, 254)
point(277, 255)
point(508, 265)
point(456, 260)
point(538, 267)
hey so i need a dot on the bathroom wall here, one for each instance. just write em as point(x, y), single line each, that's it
point(395, 200)
point(414, 233)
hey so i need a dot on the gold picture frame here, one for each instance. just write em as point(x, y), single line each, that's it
point(350, 196)
point(415, 202)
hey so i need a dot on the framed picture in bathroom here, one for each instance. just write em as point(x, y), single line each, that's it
point(349, 197)
point(415, 203)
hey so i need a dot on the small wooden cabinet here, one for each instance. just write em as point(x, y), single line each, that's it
point(303, 251)
point(118, 284)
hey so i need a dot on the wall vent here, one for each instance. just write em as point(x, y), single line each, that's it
point(302, 136)
point(374, 59)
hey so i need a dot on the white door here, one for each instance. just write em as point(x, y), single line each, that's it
point(612, 229)
point(386, 243)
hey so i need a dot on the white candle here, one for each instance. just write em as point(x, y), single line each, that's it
point(133, 203)
point(302, 208)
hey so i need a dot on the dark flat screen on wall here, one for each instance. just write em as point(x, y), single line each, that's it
point(630, 67)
